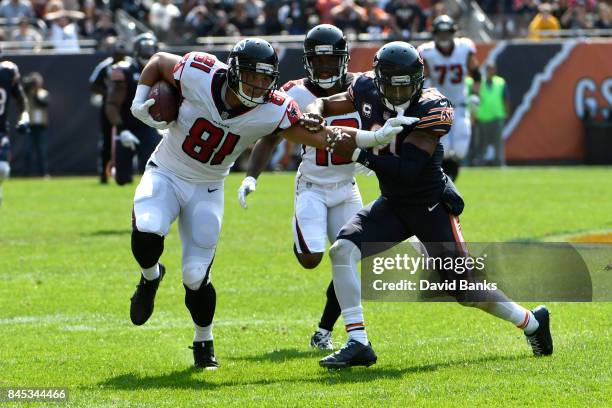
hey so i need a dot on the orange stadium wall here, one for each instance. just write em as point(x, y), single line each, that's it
point(551, 85)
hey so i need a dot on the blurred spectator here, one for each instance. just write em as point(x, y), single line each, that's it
point(324, 8)
point(241, 19)
point(575, 17)
point(63, 32)
point(408, 17)
point(377, 19)
point(199, 21)
point(105, 27)
point(297, 16)
point(161, 15)
point(223, 27)
point(437, 9)
point(487, 146)
point(37, 140)
point(349, 17)
point(253, 8)
point(543, 21)
point(271, 24)
point(526, 11)
point(603, 20)
point(13, 10)
point(30, 38)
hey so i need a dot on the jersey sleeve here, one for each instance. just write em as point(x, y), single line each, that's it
point(362, 86)
point(292, 112)
point(193, 73)
point(437, 118)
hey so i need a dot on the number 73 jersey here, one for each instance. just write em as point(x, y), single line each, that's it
point(448, 72)
point(205, 140)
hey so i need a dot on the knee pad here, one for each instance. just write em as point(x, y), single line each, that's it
point(344, 252)
point(196, 275)
point(201, 304)
point(5, 170)
point(147, 248)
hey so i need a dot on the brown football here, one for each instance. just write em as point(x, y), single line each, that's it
point(167, 102)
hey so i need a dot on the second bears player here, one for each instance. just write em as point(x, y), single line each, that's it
point(448, 62)
point(131, 136)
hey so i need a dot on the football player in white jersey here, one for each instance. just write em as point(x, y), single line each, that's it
point(448, 61)
point(224, 109)
point(326, 193)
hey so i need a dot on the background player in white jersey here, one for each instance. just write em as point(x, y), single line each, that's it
point(448, 62)
point(224, 109)
point(326, 193)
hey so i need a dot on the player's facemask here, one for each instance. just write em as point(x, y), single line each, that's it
point(252, 83)
point(325, 67)
point(444, 39)
point(397, 90)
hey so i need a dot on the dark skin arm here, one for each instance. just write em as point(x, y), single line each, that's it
point(116, 96)
point(473, 65)
point(260, 156)
point(19, 95)
point(339, 104)
point(160, 67)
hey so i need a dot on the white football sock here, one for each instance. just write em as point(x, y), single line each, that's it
point(203, 333)
point(516, 314)
point(151, 273)
point(353, 321)
point(323, 331)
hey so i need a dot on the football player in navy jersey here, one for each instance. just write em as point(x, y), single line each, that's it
point(417, 198)
point(10, 86)
point(131, 135)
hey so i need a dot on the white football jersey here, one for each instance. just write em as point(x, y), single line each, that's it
point(318, 166)
point(205, 140)
point(448, 72)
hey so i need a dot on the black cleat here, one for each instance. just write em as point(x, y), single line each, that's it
point(541, 340)
point(353, 353)
point(204, 355)
point(143, 299)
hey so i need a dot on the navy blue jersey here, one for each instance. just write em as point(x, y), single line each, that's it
point(129, 73)
point(436, 114)
point(9, 78)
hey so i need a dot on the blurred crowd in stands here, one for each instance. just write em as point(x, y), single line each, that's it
point(63, 22)
point(521, 18)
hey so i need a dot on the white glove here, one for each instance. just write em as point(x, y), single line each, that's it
point(140, 108)
point(474, 100)
point(248, 185)
point(385, 134)
point(128, 139)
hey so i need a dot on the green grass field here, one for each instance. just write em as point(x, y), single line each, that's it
point(67, 273)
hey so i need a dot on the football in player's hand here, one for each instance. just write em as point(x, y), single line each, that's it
point(167, 102)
